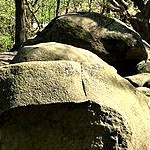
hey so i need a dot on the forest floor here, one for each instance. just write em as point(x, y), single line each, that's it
point(7, 56)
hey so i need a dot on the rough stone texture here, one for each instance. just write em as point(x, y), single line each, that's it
point(2, 63)
point(40, 83)
point(143, 66)
point(145, 91)
point(64, 126)
point(56, 51)
point(62, 80)
point(109, 38)
point(138, 80)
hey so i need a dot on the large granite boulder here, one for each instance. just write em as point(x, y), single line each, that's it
point(73, 101)
point(52, 80)
point(55, 51)
point(64, 126)
point(110, 39)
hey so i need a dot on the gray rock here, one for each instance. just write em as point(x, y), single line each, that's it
point(143, 67)
point(64, 126)
point(40, 83)
point(72, 100)
point(110, 39)
point(2, 63)
point(138, 80)
point(145, 91)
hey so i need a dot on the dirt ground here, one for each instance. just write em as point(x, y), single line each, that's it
point(7, 56)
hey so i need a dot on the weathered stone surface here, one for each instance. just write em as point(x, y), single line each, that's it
point(53, 51)
point(40, 83)
point(143, 67)
point(71, 75)
point(64, 126)
point(2, 63)
point(144, 90)
point(138, 80)
point(109, 38)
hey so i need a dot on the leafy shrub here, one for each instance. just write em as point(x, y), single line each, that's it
point(5, 43)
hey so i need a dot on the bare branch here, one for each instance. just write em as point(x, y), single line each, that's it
point(35, 2)
point(146, 10)
point(90, 4)
point(57, 8)
point(68, 3)
point(32, 13)
point(139, 4)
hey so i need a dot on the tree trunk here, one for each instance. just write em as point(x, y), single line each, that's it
point(57, 8)
point(19, 25)
point(140, 21)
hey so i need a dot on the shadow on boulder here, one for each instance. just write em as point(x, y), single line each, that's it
point(63, 126)
point(109, 38)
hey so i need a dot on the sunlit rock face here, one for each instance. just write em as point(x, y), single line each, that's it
point(55, 96)
point(110, 39)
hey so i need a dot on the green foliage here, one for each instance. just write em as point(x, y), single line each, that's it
point(7, 24)
point(38, 13)
point(5, 42)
